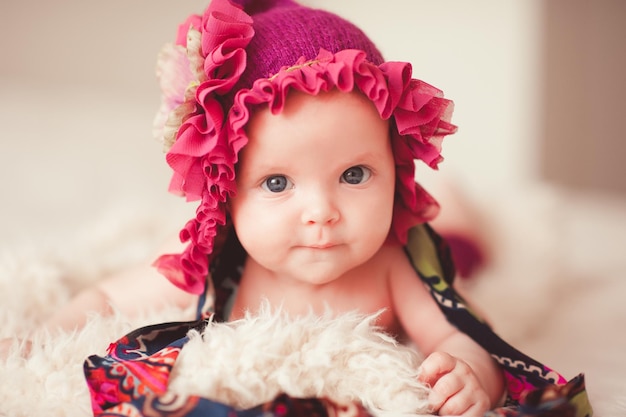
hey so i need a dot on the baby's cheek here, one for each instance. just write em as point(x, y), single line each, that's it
point(377, 214)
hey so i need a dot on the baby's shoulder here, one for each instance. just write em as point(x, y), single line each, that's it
point(393, 257)
point(399, 272)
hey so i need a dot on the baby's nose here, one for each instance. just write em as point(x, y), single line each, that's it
point(320, 208)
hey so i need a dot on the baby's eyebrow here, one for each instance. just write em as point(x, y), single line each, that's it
point(365, 156)
point(260, 171)
point(264, 168)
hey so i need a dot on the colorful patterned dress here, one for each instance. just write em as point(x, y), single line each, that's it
point(131, 380)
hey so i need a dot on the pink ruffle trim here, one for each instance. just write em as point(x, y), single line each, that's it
point(421, 117)
point(201, 158)
point(204, 154)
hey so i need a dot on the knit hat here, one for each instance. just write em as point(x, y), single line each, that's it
point(243, 54)
point(285, 31)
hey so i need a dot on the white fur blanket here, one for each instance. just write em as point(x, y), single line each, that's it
point(242, 363)
point(550, 292)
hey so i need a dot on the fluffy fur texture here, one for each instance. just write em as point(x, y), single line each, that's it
point(241, 363)
point(555, 290)
point(346, 359)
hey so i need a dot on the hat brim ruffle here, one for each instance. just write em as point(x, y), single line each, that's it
point(421, 116)
point(207, 145)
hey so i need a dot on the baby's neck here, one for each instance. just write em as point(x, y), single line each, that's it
point(364, 289)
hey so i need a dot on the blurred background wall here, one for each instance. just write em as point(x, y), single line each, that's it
point(538, 89)
point(584, 94)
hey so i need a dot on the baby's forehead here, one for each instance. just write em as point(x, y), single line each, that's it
point(341, 128)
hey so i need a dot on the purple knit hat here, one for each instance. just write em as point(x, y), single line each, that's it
point(285, 31)
point(243, 53)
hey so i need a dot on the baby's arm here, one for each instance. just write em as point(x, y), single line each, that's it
point(129, 291)
point(465, 380)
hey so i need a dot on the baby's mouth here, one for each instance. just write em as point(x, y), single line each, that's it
point(322, 246)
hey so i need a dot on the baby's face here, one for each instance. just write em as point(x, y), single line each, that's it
point(315, 186)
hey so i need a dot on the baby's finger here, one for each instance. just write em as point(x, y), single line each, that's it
point(476, 409)
point(434, 366)
point(445, 394)
point(460, 404)
point(468, 402)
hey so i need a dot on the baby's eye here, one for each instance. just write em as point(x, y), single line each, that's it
point(276, 184)
point(356, 175)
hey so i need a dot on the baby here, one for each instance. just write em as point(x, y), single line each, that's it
point(302, 144)
point(300, 141)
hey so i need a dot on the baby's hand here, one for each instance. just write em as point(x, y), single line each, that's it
point(456, 390)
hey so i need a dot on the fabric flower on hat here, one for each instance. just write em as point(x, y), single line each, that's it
point(205, 63)
point(179, 72)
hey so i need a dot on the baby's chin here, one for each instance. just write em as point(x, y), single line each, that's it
point(315, 274)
